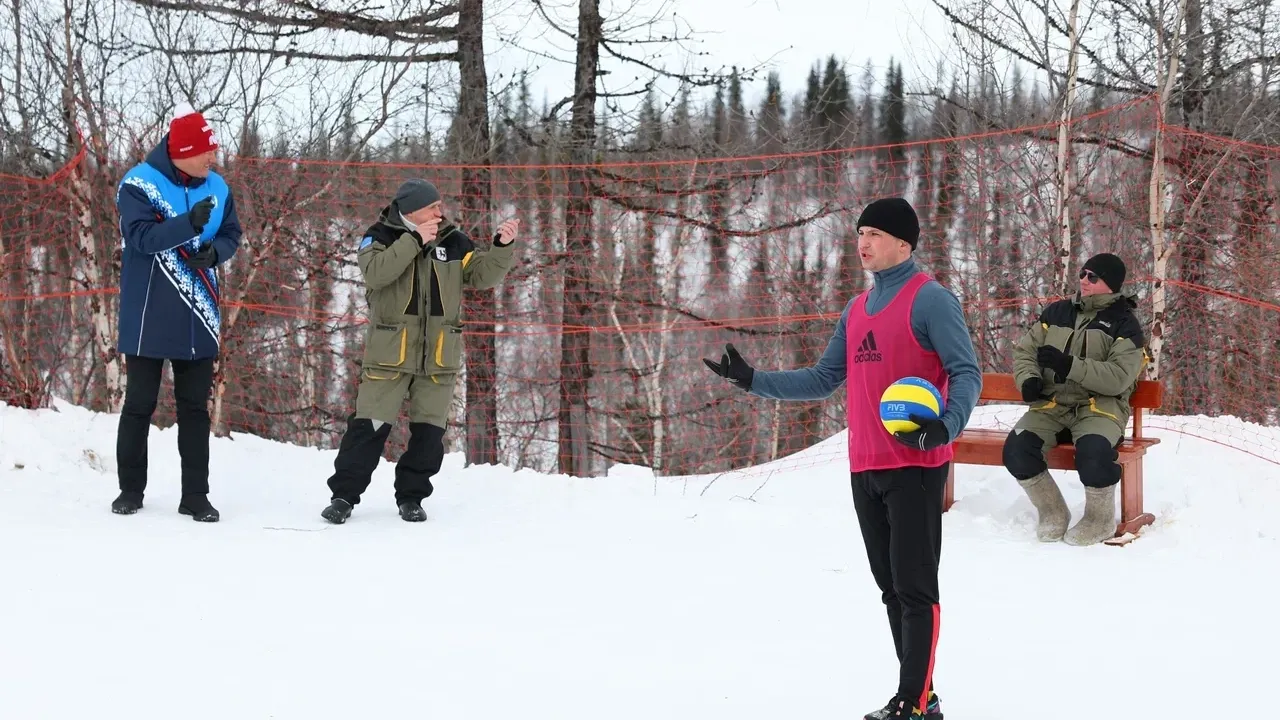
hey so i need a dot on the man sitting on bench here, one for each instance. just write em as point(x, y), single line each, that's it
point(1077, 367)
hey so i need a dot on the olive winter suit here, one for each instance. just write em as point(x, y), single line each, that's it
point(413, 346)
point(1099, 339)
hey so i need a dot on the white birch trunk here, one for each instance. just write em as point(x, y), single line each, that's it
point(1064, 152)
point(1158, 201)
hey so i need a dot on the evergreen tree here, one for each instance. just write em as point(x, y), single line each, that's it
point(500, 144)
point(736, 122)
point(682, 133)
point(893, 128)
point(834, 113)
point(771, 123)
point(649, 128)
point(807, 123)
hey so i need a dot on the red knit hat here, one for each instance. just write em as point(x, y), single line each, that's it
point(189, 134)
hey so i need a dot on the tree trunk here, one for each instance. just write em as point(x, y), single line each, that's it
point(82, 201)
point(1158, 205)
point(481, 348)
point(575, 340)
point(1063, 260)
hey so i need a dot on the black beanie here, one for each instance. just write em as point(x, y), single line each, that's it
point(1108, 267)
point(894, 216)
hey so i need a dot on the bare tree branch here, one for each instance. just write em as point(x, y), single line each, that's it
point(415, 28)
point(273, 53)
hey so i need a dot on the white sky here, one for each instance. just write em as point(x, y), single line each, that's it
point(786, 35)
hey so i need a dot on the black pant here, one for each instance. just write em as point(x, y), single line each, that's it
point(900, 514)
point(1095, 458)
point(192, 380)
point(362, 447)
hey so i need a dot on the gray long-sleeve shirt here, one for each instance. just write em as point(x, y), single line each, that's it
point(939, 325)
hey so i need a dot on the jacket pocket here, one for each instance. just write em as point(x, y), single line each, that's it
point(1043, 405)
point(378, 374)
point(446, 353)
point(387, 345)
point(1093, 407)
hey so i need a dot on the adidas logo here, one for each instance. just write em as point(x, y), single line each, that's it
point(867, 351)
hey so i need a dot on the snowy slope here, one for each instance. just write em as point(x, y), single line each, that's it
point(526, 596)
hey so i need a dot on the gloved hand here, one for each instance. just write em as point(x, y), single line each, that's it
point(207, 257)
point(199, 213)
point(1032, 388)
point(732, 367)
point(931, 434)
point(1051, 358)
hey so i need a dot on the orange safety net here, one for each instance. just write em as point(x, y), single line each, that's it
point(590, 353)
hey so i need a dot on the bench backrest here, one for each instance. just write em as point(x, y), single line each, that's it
point(1149, 395)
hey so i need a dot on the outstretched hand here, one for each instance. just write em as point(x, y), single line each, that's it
point(732, 367)
point(931, 434)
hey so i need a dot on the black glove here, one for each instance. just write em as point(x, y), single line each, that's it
point(732, 367)
point(1052, 358)
point(931, 434)
point(1031, 389)
point(207, 257)
point(199, 213)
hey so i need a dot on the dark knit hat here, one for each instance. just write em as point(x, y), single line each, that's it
point(1108, 267)
point(413, 195)
point(894, 216)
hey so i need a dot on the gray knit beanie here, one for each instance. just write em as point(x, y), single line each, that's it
point(413, 195)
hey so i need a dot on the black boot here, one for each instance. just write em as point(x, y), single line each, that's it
point(198, 507)
point(127, 503)
point(337, 512)
point(411, 511)
point(897, 707)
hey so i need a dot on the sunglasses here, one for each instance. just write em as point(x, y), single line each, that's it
point(1090, 275)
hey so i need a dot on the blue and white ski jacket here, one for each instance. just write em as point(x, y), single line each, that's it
point(167, 308)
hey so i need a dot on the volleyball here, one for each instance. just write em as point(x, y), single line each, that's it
point(906, 397)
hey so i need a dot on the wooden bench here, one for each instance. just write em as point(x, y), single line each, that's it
point(986, 447)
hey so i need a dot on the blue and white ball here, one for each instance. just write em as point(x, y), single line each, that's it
point(906, 397)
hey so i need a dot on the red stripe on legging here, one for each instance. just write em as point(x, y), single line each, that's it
point(933, 650)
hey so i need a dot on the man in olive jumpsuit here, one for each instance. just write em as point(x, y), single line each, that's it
point(1077, 367)
point(415, 265)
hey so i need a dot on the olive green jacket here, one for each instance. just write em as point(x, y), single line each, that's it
point(414, 295)
point(1108, 347)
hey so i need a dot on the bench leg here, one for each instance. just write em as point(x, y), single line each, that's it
point(1132, 518)
point(949, 494)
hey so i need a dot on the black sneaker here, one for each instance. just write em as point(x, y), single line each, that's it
point(411, 511)
point(337, 512)
point(898, 707)
point(127, 503)
point(198, 507)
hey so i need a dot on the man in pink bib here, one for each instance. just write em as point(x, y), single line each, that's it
point(905, 325)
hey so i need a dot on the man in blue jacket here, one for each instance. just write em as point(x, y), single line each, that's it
point(178, 224)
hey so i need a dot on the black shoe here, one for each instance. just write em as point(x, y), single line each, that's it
point(337, 512)
point(127, 503)
point(411, 511)
point(898, 707)
point(198, 507)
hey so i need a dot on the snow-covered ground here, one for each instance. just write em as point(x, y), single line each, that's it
point(530, 596)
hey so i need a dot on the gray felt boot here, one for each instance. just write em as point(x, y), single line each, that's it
point(1099, 521)
point(1051, 509)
